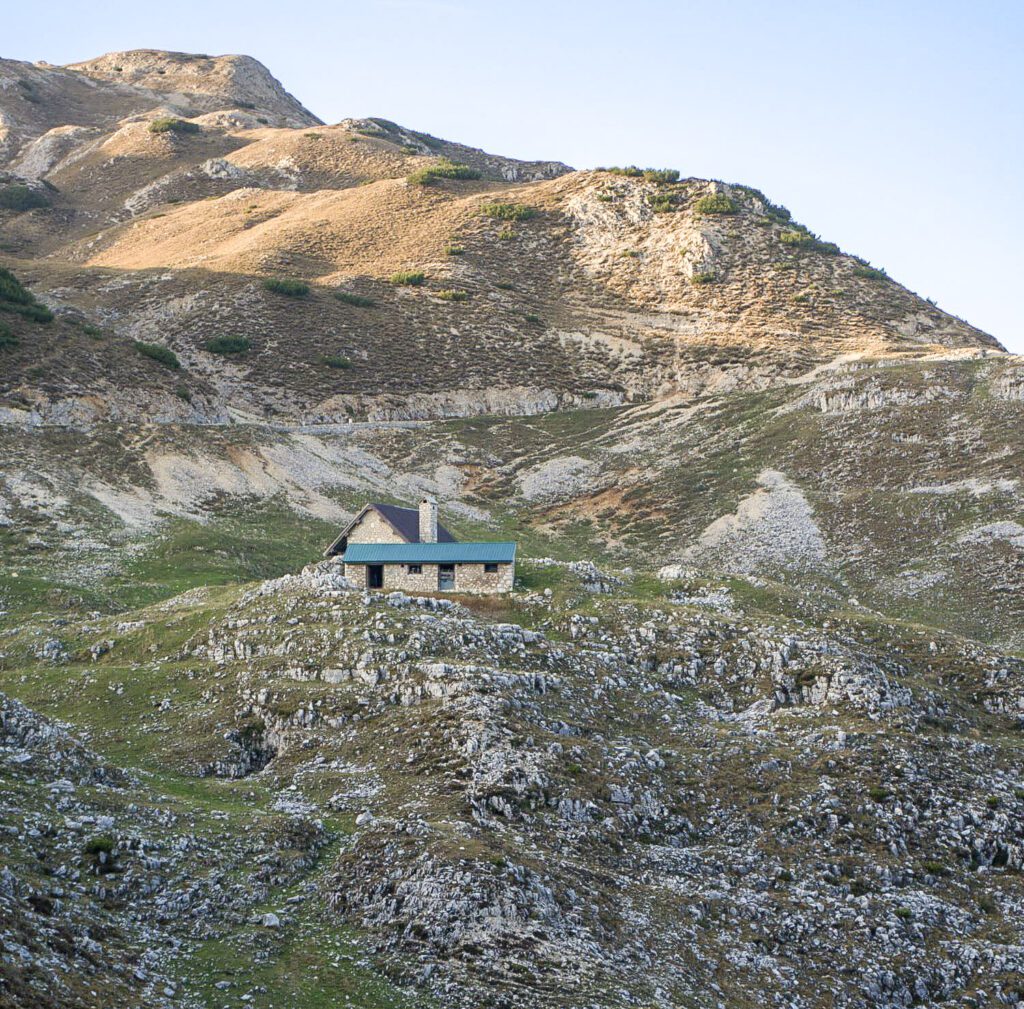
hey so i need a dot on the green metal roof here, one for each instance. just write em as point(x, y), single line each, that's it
point(430, 553)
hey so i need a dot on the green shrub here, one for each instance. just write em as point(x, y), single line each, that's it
point(7, 337)
point(630, 170)
point(443, 169)
point(228, 345)
point(879, 794)
point(801, 298)
point(102, 842)
point(870, 272)
point(19, 197)
point(715, 203)
point(164, 355)
point(504, 285)
point(703, 278)
point(903, 912)
point(452, 294)
point(934, 868)
point(992, 801)
point(801, 238)
point(354, 299)
point(94, 332)
point(408, 278)
point(534, 320)
point(336, 361)
point(661, 175)
point(455, 250)
point(289, 288)
point(606, 197)
point(508, 211)
point(182, 392)
point(16, 298)
point(662, 204)
point(171, 124)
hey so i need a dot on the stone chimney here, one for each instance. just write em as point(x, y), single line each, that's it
point(428, 520)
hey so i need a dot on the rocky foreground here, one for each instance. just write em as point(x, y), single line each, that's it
point(606, 791)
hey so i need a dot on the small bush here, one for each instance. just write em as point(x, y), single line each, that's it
point(289, 288)
point(408, 278)
point(533, 320)
point(182, 392)
point(164, 355)
point(504, 285)
point(606, 197)
point(903, 912)
point(508, 211)
point(452, 294)
point(715, 203)
point(870, 272)
point(313, 136)
point(16, 298)
point(630, 170)
point(93, 332)
point(7, 338)
point(228, 345)
point(443, 169)
point(354, 299)
point(879, 794)
point(801, 298)
point(700, 279)
point(171, 124)
point(506, 234)
point(19, 197)
point(661, 175)
point(934, 868)
point(102, 842)
point(992, 801)
point(454, 250)
point(801, 238)
point(336, 361)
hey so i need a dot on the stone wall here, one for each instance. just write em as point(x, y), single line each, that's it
point(374, 528)
point(470, 578)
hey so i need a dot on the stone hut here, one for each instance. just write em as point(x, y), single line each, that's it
point(387, 547)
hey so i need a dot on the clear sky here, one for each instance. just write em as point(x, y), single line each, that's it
point(894, 128)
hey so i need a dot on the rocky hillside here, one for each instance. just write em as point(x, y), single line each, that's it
point(606, 791)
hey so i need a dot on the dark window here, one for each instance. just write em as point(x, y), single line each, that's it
point(375, 576)
point(491, 569)
point(415, 569)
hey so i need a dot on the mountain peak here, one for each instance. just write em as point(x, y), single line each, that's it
point(208, 83)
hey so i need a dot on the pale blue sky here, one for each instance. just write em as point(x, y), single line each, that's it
point(893, 128)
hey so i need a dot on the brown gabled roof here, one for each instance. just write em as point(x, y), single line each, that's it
point(405, 522)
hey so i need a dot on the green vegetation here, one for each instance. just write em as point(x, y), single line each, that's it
point(286, 286)
point(228, 345)
point(504, 285)
point(101, 843)
point(879, 794)
point(20, 197)
point(799, 237)
point(336, 361)
point(650, 174)
point(171, 124)
point(7, 337)
point(443, 169)
point(701, 279)
point(452, 294)
point(356, 300)
point(408, 278)
point(715, 203)
point(157, 352)
point(508, 211)
point(870, 272)
point(16, 298)
point(506, 234)
point(662, 204)
point(454, 250)
point(533, 320)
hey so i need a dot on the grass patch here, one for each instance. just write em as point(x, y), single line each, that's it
point(452, 294)
point(7, 337)
point(164, 355)
point(286, 286)
point(701, 279)
point(228, 345)
point(408, 278)
point(454, 250)
point(870, 272)
point(336, 361)
point(715, 203)
point(356, 300)
point(171, 124)
point(508, 211)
